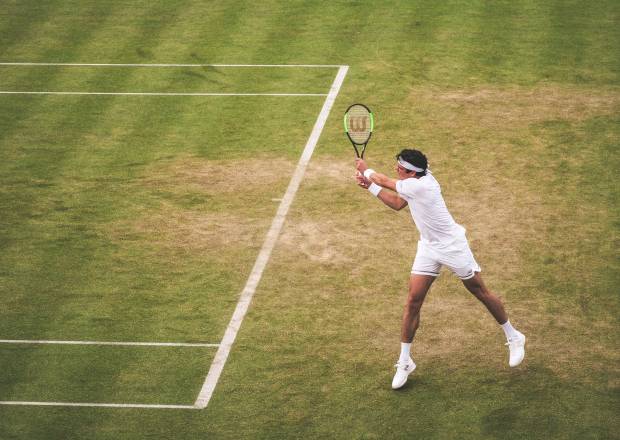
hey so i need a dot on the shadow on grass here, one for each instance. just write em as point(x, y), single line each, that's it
point(529, 402)
point(536, 403)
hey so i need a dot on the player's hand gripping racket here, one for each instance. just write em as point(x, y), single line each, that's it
point(358, 125)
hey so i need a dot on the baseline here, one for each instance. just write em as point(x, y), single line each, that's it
point(99, 405)
point(170, 65)
point(3, 92)
point(158, 66)
point(149, 344)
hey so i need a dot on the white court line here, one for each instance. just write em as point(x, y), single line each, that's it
point(149, 344)
point(3, 92)
point(169, 65)
point(104, 405)
point(263, 257)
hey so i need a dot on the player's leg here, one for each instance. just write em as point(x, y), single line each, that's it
point(491, 301)
point(460, 259)
point(418, 288)
point(425, 269)
point(516, 339)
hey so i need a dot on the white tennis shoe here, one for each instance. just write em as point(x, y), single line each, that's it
point(516, 345)
point(403, 370)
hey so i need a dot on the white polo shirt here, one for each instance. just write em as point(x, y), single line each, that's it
point(429, 211)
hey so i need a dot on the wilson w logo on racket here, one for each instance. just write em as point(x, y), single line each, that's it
point(358, 125)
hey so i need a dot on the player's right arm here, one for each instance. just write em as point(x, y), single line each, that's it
point(392, 200)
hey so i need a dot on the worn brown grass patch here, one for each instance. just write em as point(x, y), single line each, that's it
point(331, 171)
point(171, 227)
point(221, 176)
point(236, 211)
point(327, 226)
point(505, 108)
point(322, 242)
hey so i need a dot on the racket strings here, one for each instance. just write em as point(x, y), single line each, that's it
point(359, 124)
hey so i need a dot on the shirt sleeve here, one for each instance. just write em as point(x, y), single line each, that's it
point(407, 188)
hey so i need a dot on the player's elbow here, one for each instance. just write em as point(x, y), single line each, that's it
point(397, 206)
point(400, 205)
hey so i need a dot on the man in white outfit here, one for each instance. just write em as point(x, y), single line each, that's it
point(442, 243)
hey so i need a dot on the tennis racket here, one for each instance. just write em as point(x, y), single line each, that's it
point(358, 125)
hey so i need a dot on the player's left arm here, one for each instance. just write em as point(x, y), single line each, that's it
point(389, 198)
point(378, 178)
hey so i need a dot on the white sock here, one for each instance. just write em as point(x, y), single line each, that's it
point(405, 351)
point(509, 330)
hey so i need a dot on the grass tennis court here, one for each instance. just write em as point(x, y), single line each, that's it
point(133, 217)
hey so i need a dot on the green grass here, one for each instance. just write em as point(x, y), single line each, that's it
point(104, 373)
point(135, 218)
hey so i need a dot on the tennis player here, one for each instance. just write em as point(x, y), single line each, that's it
point(442, 243)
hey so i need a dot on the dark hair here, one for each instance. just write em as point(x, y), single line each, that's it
point(416, 158)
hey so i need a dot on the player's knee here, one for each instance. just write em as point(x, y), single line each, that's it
point(477, 289)
point(486, 295)
point(414, 303)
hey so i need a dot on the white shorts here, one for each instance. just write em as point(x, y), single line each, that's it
point(457, 257)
